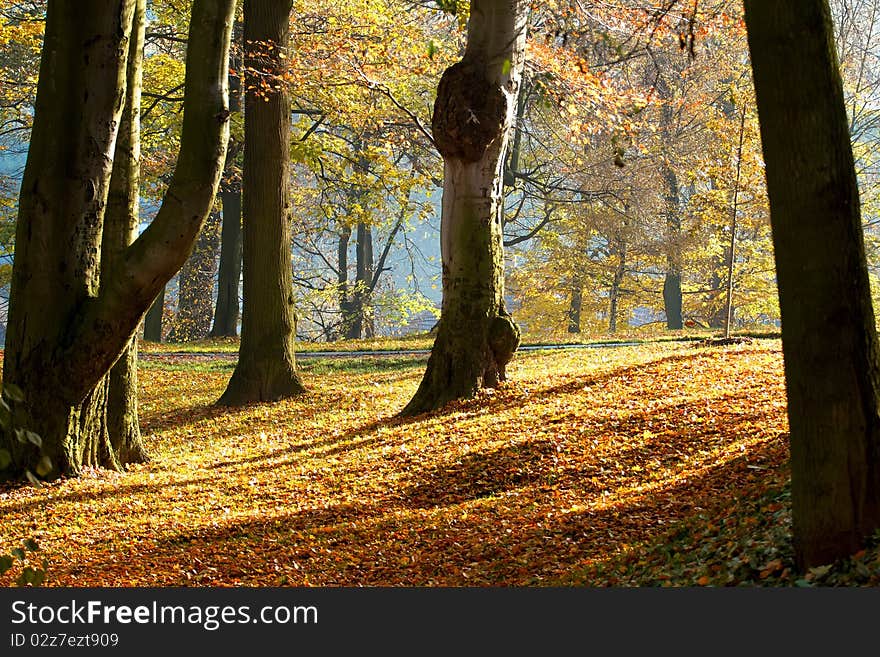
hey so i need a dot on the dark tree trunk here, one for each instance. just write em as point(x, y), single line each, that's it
point(266, 369)
point(717, 313)
point(345, 305)
point(61, 209)
point(196, 286)
point(473, 113)
point(226, 312)
point(153, 319)
point(616, 283)
point(120, 230)
point(829, 337)
point(358, 319)
point(672, 298)
point(575, 306)
point(69, 321)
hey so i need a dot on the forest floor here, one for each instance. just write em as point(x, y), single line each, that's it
point(659, 464)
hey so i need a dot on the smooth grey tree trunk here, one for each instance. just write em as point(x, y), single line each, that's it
point(575, 306)
point(616, 283)
point(473, 114)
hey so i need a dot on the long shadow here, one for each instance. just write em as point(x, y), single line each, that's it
point(182, 417)
point(545, 461)
point(501, 403)
point(343, 442)
point(481, 474)
point(92, 496)
point(524, 541)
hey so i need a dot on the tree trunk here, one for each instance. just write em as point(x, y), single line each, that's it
point(120, 230)
point(69, 322)
point(266, 369)
point(828, 329)
point(672, 299)
point(226, 310)
point(229, 274)
point(359, 322)
point(153, 319)
point(616, 282)
point(731, 248)
point(196, 286)
point(575, 306)
point(473, 113)
point(346, 311)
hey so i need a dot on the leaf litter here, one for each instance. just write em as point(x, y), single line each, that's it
point(664, 464)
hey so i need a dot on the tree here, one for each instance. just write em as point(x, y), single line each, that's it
point(120, 230)
point(196, 284)
point(266, 368)
point(153, 318)
point(226, 309)
point(473, 114)
point(832, 382)
point(69, 322)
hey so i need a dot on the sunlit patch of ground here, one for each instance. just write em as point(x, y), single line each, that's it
point(581, 470)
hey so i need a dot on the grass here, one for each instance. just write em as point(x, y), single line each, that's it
point(424, 341)
point(661, 464)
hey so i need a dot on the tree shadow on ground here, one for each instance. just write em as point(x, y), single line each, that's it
point(521, 540)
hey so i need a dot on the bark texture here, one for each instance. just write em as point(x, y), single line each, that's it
point(226, 311)
point(473, 114)
point(72, 316)
point(266, 368)
point(828, 329)
point(120, 230)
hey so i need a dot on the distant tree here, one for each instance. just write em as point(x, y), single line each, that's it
point(69, 321)
point(196, 286)
point(153, 320)
point(266, 368)
point(829, 333)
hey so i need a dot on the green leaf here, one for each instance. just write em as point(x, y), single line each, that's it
point(13, 392)
point(432, 49)
point(44, 467)
point(33, 438)
point(803, 583)
point(5, 459)
point(6, 562)
point(505, 67)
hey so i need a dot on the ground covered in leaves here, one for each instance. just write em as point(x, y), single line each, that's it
point(657, 464)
